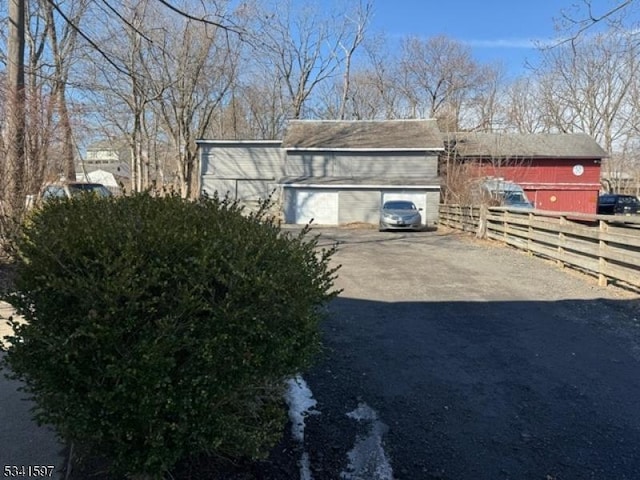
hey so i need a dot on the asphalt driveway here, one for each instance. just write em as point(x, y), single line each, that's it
point(448, 359)
point(480, 362)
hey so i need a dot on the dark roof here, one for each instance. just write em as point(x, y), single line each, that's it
point(360, 181)
point(363, 135)
point(535, 145)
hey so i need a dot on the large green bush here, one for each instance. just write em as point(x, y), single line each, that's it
point(158, 328)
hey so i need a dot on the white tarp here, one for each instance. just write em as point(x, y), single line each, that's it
point(98, 176)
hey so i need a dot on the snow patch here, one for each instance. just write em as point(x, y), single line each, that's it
point(305, 467)
point(363, 412)
point(301, 404)
point(367, 459)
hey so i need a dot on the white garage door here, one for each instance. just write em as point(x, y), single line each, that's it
point(419, 199)
point(318, 205)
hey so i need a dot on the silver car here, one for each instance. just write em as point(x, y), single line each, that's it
point(401, 215)
point(73, 189)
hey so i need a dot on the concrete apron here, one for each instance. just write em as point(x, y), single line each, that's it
point(23, 444)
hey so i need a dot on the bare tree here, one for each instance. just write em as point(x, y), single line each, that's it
point(349, 45)
point(122, 94)
point(302, 46)
point(521, 104)
point(63, 45)
point(379, 89)
point(439, 77)
point(198, 69)
point(260, 106)
point(587, 87)
point(585, 15)
point(373, 87)
point(484, 110)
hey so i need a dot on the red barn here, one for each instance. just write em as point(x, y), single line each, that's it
point(559, 172)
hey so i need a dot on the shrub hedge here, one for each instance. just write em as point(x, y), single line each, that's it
point(159, 328)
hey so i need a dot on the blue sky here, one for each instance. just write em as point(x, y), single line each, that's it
point(496, 30)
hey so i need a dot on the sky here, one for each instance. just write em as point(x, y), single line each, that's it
point(496, 30)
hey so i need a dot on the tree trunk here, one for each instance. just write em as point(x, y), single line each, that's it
point(15, 102)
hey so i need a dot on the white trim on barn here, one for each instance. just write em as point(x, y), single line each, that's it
point(359, 185)
point(382, 150)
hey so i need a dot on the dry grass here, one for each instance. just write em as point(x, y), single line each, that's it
point(359, 226)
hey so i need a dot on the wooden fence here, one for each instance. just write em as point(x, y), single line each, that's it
point(466, 218)
point(602, 245)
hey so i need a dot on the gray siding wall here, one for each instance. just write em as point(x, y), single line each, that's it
point(349, 164)
point(433, 209)
point(243, 161)
point(254, 190)
point(307, 165)
point(359, 206)
point(211, 184)
point(288, 204)
point(391, 165)
point(238, 189)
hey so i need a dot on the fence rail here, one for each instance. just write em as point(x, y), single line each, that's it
point(602, 245)
point(460, 217)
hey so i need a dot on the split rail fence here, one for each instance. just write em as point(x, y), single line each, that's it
point(602, 245)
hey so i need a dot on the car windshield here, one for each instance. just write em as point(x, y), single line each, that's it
point(399, 205)
point(80, 188)
point(515, 197)
point(621, 199)
point(628, 200)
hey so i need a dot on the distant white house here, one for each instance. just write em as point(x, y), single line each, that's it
point(114, 156)
point(107, 156)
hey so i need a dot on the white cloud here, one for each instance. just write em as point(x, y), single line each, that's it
point(512, 43)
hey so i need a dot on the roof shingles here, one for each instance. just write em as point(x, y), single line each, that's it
point(498, 145)
point(363, 135)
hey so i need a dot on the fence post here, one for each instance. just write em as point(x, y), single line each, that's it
point(561, 241)
point(602, 262)
point(529, 233)
point(481, 232)
point(505, 226)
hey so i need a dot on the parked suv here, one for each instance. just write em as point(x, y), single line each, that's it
point(498, 191)
point(615, 204)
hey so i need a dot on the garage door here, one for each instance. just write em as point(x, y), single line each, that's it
point(359, 206)
point(419, 199)
point(321, 206)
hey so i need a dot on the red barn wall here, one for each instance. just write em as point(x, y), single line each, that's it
point(558, 184)
point(583, 201)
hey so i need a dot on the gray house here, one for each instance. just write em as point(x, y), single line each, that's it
point(247, 170)
point(334, 172)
